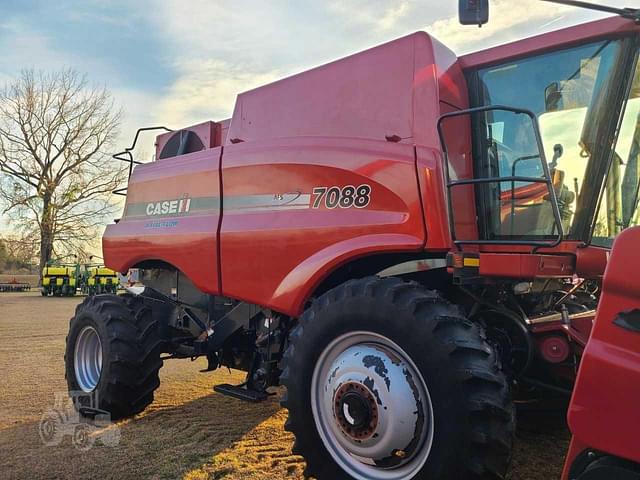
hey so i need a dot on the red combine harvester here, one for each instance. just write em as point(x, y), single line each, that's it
point(405, 239)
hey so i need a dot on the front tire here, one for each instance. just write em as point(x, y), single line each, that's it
point(112, 358)
point(387, 381)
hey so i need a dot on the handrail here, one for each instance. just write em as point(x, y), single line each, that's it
point(513, 178)
point(129, 156)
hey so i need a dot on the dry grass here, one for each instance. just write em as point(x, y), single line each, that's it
point(188, 432)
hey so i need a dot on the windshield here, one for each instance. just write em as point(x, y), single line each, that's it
point(618, 207)
point(570, 92)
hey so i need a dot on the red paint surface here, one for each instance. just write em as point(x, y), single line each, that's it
point(275, 258)
point(191, 245)
point(604, 412)
point(528, 266)
point(591, 261)
point(391, 89)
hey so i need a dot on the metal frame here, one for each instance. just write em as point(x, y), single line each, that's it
point(631, 13)
point(129, 156)
point(513, 178)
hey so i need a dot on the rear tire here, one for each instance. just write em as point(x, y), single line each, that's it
point(112, 356)
point(472, 423)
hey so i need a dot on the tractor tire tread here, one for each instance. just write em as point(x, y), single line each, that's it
point(134, 363)
point(486, 400)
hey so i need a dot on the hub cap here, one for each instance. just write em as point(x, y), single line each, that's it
point(372, 407)
point(87, 359)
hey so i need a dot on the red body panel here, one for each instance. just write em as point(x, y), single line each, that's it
point(186, 240)
point(391, 89)
point(286, 248)
point(526, 266)
point(604, 412)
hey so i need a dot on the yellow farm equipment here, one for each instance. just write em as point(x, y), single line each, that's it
point(100, 280)
point(58, 281)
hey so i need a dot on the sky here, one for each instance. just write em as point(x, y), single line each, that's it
point(181, 62)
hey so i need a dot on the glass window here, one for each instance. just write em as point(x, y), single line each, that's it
point(619, 203)
point(519, 207)
point(560, 88)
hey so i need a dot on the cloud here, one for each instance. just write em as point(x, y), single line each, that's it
point(23, 47)
point(206, 89)
point(381, 15)
point(506, 23)
point(217, 51)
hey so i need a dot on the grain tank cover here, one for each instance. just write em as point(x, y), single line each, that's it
point(390, 90)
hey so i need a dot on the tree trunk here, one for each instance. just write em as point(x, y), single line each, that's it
point(46, 233)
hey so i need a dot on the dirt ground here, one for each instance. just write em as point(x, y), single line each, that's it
point(188, 432)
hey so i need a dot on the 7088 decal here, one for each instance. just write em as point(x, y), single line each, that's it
point(342, 197)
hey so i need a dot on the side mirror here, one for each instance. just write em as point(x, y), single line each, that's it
point(553, 97)
point(473, 12)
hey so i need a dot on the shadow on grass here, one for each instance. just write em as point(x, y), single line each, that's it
point(214, 437)
point(166, 443)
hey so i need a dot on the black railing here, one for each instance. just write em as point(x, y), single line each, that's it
point(127, 155)
point(513, 179)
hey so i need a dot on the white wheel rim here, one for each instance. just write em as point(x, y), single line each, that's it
point(390, 437)
point(87, 359)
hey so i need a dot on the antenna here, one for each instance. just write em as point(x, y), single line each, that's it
point(632, 13)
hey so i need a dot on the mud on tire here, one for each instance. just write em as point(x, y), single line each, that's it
point(473, 416)
point(130, 355)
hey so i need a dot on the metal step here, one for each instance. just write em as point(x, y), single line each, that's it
point(241, 392)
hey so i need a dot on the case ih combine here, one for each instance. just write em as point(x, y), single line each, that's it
point(405, 239)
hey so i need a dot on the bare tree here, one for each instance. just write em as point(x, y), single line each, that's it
point(17, 254)
point(54, 132)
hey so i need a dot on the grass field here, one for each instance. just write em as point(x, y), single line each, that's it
point(188, 432)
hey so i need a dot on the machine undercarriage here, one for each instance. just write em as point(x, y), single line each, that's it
point(538, 328)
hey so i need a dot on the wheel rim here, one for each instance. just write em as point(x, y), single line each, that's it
point(372, 407)
point(88, 359)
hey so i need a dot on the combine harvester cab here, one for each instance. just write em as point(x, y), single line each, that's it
point(58, 281)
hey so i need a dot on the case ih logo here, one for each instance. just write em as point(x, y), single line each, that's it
point(168, 207)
